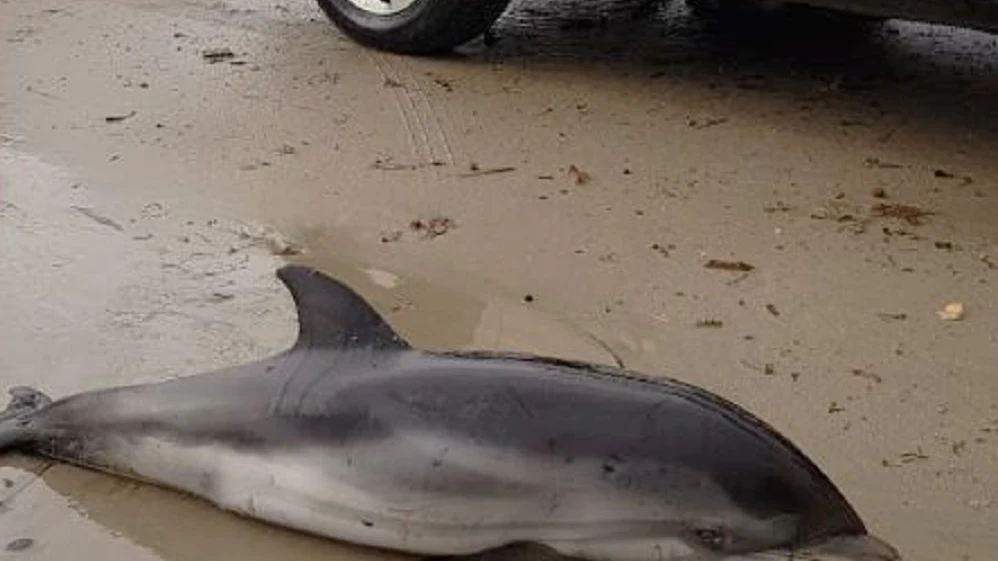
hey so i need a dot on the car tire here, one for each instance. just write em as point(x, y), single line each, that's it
point(413, 26)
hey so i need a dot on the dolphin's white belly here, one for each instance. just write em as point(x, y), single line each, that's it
point(368, 493)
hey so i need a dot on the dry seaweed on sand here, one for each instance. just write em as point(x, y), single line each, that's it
point(432, 227)
point(909, 213)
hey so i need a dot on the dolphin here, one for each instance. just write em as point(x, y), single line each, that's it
point(354, 435)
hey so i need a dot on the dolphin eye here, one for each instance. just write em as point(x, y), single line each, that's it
point(711, 538)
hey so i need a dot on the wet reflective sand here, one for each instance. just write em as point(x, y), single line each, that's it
point(560, 191)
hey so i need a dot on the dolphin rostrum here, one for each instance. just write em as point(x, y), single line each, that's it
point(354, 435)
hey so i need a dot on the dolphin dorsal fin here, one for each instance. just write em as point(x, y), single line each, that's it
point(331, 315)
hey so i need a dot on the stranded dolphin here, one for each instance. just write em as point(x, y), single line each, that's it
point(354, 435)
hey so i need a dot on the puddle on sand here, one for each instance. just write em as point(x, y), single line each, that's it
point(119, 519)
point(436, 314)
point(110, 295)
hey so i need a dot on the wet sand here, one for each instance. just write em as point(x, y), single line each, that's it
point(562, 191)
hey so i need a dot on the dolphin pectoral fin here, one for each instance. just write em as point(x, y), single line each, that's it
point(332, 315)
point(520, 551)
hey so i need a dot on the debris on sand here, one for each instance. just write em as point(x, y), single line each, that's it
point(918, 454)
point(98, 218)
point(474, 170)
point(768, 369)
point(888, 316)
point(578, 176)
point(393, 83)
point(943, 174)
point(20, 544)
point(878, 163)
point(952, 311)
point(443, 83)
point(119, 118)
point(778, 206)
point(909, 213)
point(9, 139)
point(839, 210)
point(387, 164)
point(740, 266)
point(153, 210)
point(958, 447)
point(391, 237)
point(706, 123)
point(905, 458)
point(433, 227)
point(276, 242)
point(217, 55)
point(279, 245)
point(663, 250)
point(715, 323)
point(860, 373)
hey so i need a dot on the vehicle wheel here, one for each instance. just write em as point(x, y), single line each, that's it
point(413, 26)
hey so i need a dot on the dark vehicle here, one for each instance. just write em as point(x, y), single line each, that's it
point(428, 26)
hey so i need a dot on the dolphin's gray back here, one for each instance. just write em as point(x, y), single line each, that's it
point(598, 428)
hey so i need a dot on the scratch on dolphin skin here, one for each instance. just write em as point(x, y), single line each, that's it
point(555, 501)
point(522, 405)
point(650, 423)
point(438, 460)
point(404, 533)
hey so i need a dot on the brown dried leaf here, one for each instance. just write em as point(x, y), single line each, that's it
point(729, 265)
point(860, 373)
point(578, 176)
point(433, 227)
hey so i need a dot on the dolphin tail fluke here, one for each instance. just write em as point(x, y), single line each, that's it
point(332, 315)
point(24, 402)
